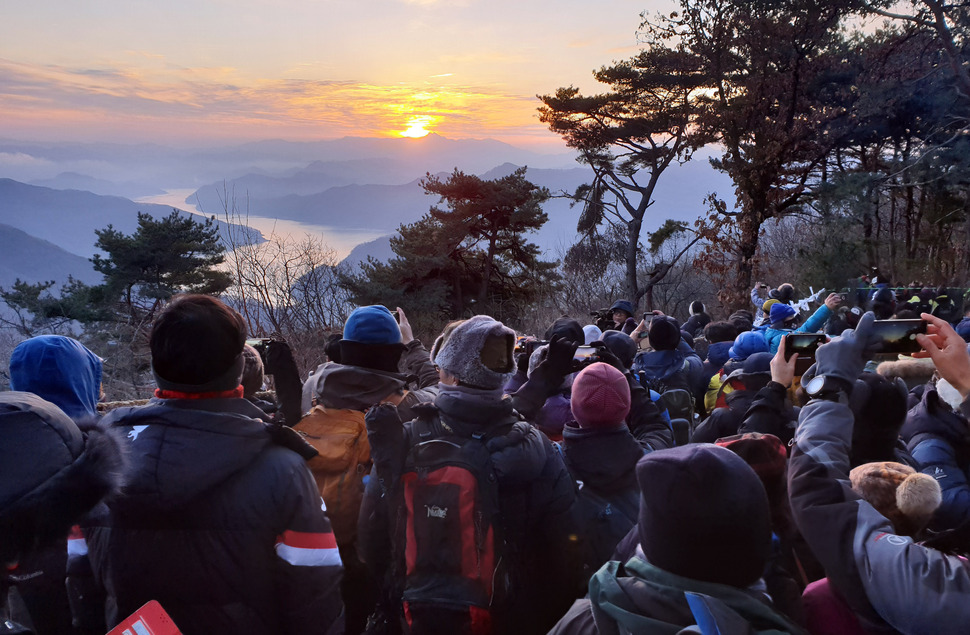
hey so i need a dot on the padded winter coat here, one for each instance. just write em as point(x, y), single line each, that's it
point(889, 581)
point(223, 527)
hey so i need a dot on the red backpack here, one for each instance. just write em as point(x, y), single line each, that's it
point(450, 497)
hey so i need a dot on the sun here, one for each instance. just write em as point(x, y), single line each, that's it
point(418, 127)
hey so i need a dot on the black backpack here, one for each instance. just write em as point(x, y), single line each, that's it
point(450, 500)
point(602, 524)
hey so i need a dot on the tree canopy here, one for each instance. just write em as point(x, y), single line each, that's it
point(469, 254)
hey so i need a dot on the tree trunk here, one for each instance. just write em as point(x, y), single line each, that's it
point(632, 290)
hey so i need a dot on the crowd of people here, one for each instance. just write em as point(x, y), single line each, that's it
point(638, 475)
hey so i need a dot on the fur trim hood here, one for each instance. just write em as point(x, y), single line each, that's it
point(52, 474)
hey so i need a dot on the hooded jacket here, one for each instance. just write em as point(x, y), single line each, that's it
point(637, 597)
point(220, 525)
point(61, 370)
point(890, 582)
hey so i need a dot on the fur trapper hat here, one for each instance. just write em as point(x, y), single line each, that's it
point(479, 353)
point(52, 472)
point(906, 497)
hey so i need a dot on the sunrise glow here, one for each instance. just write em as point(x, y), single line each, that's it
point(418, 127)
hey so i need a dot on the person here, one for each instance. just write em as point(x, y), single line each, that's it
point(52, 474)
point(783, 321)
point(672, 364)
point(698, 319)
point(64, 372)
point(534, 494)
point(622, 311)
point(906, 498)
point(698, 563)
point(601, 456)
point(220, 519)
point(370, 353)
point(746, 381)
point(592, 333)
point(759, 295)
point(886, 579)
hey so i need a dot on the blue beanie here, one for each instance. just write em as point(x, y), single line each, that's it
point(372, 325)
point(747, 344)
point(779, 313)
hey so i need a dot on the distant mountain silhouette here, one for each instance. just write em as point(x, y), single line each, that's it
point(85, 183)
point(68, 218)
point(379, 248)
point(34, 260)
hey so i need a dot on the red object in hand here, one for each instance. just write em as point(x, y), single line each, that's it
point(150, 619)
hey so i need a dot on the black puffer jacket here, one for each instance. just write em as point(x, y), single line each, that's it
point(219, 524)
point(724, 422)
point(604, 461)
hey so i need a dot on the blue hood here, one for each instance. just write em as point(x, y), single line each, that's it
point(61, 370)
point(718, 353)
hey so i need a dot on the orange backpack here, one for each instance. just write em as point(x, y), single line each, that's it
point(340, 437)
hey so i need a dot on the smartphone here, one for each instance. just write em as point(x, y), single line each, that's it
point(259, 342)
point(804, 346)
point(896, 336)
point(151, 619)
point(647, 318)
point(584, 352)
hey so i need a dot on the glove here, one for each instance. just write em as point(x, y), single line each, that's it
point(845, 358)
point(388, 449)
point(605, 355)
point(559, 358)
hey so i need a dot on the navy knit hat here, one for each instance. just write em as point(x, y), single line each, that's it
point(623, 305)
point(723, 535)
point(664, 334)
point(372, 325)
point(747, 344)
point(621, 345)
point(779, 313)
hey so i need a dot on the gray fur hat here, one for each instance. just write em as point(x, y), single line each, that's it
point(479, 353)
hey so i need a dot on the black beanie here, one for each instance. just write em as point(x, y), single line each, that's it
point(568, 328)
point(664, 334)
point(704, 515)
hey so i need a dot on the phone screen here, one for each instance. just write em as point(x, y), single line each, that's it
point(584, 353)
point(896, 336)
point(803, 344)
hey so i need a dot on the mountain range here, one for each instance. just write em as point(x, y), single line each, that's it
point(61, 193)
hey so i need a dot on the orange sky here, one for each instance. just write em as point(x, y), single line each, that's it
point(225, 70)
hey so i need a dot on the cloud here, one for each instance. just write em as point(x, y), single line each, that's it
point(217, 99)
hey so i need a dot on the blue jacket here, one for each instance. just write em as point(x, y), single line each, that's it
point(61, 370)
point(939, 441)
point(811, 325)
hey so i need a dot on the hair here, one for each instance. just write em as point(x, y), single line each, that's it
point(195, 339)
point(720, 332)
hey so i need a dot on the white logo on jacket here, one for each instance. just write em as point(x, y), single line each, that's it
point(437, 512)
point(135, 431)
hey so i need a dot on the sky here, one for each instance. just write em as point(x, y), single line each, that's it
point(188, 72)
